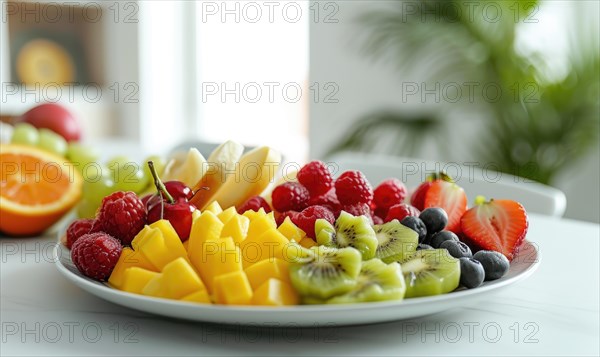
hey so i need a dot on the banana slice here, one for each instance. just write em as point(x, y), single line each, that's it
point(188, 168)
point(220, 162)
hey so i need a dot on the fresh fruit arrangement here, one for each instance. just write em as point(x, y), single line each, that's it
point(205, 237)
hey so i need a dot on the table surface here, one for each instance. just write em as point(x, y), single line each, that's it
point(554, 312)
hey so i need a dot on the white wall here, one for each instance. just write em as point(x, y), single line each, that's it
point(366, 86)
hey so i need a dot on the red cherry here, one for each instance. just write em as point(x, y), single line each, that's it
point(178, 189)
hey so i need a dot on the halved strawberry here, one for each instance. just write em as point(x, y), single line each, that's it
point(451, 198)
point(499, 225)
point(417, 199)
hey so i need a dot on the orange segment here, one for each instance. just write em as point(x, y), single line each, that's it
point(36, 189)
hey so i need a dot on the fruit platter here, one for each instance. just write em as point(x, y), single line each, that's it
point(230, 239)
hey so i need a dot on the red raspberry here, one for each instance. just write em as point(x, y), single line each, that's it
point(380, 212)
point(279, 218)
point(290, 196)
point(77, 229)
point(254, 203)
point(400, 211)
point(305, 220)
point(96, 254)
point(377, 219)
point(359, 209)
point(352, 187)
point(315, 176)
point(390, 192)
point(329, 200)
point(122, 215)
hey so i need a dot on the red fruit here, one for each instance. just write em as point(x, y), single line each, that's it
point(315, 176)
point(146, 199)
point(56, 118)
point(353, 187)
point(417, 199)
point(359, 209)
point(499, 225)
point(77, 229)
point(401, 211)
point(305, 220)
point(290, 196)
point(178, 189)
point(328, 200)
point(377, 220)
point(380, 212)
point(451, 198)
point(122, 215)
point(390, 192)
point(280, 217)
point(254, 203)
point(96, 254)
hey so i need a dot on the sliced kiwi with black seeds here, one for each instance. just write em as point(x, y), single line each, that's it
point(395, 241)
point(348, 231)
point(430, 272)
point(324, 272)
point(377, 281)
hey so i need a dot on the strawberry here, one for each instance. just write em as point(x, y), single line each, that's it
point(451, 198)
point(499, 225)
point(417, 199)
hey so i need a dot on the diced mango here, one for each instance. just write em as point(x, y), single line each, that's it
point(201, 297)
point(159, 244)
point(136, 278)
point(260, 225)
point(275, 292)
point(218, 257)
point(254, 214)
point(266, 269)
point(270, 244)
point(213, 207)
point(307, 242)
point(206, 227)
point(176, 280)
point(290, 230)
point(128, 258)
point(186, 244)
point(226, 215)
point(236, 228)
point(233, 289)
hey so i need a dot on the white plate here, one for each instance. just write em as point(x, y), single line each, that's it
point(524, 264)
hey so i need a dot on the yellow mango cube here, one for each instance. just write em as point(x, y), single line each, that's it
point(206, 227)
point(227, 214)
point(136, 278)
point(213, 207)
point(307, 242)
point(176, 280)
point(219, 257)
point(158, 248)
point(254, 214)
point(186, 244)
point(260, 225)
point(267, 269)
point(290, 230)
point(236, 228)
point(275, 292)
point(201, 297)
point(270, 244)
point(128, 258)
point(233, 289)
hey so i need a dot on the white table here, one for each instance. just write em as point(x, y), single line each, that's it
point(554, 312)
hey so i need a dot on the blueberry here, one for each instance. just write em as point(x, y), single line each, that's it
point(471, 273)
point(435, 219)
point(416, 225)
point(440, 237)
point(423, 246)
point(494, 263)
point(457, 249)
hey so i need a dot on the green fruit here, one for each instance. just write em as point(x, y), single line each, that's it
point(159, 165)
point(395, 241)
point(324, 272)
point(430, 272)
point(25, 134)
point(52, 142)
point(117, 162)
point(81, 155)
point(128, 175)
point(349, 231)
point(377, 281)
point(86, 209)
point(95, 188)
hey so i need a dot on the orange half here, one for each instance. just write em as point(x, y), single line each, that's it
point(36, 189)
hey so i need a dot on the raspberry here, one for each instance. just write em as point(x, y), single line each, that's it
point(290, 196)
point(96, 254)
point(380, 212)
point(122, 215)
point(254, 203)
point(359, 209)
point(77, 229)
point(315, 176)
point(305, 220)
point(377, 219)
point(328, 200)
point(400, 211)
point(352, 187)
point(390, 192)
point(279, 218)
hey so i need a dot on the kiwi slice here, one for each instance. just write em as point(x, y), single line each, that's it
point(324, 272)
point(396, 241)
point(348, 231)
point(377, 281)
point(430, 272)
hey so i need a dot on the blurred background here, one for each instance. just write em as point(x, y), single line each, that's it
point(509, 85)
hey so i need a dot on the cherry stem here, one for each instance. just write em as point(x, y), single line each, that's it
point(159, 184)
